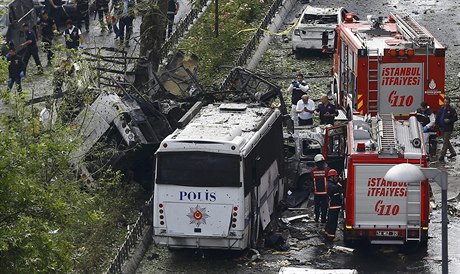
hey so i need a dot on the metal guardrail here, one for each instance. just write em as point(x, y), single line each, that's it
point(181, 28)
point(246, 53)
point(132, 238)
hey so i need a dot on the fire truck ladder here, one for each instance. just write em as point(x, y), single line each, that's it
point(387, 137)
point(411, 30)
point(413, 211)
point(373, 80)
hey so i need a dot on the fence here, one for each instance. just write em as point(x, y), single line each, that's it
point(181, 28)
point(132, 238)
point(246, 53)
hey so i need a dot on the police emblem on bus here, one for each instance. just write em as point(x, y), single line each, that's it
point(197, 215)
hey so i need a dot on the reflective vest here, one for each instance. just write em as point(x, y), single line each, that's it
point(320, 180)
point(334, 192)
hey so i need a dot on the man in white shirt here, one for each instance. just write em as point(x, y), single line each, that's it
point(297, 88)
point(305, 109)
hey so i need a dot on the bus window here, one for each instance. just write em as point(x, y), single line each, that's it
point(201, 169)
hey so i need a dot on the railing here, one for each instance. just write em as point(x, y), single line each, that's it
point(181, 28)
point(246, 53)
point(132, 238)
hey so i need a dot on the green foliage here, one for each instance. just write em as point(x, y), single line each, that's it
point(217, 52)
point(48, 223)
point(3, 65)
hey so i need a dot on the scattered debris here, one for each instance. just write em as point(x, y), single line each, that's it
point(253, 254)
point(288, 220)
point(277, 241)
point(344, 249)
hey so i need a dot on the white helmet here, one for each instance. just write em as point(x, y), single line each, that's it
point(319, 158)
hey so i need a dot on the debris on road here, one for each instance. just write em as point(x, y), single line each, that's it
point(277, 242)
point(344, 249)
point(288, 220)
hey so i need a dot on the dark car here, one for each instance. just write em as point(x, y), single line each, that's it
point(12, 15)
point(67, 9)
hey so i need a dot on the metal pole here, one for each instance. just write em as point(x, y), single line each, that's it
point(216, 18)
point(445, 262)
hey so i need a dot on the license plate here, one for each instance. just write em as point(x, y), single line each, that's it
point(387, 233)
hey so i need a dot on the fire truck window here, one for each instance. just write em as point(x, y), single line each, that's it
point(310, 148)
point(336, 146)
point(343, 13)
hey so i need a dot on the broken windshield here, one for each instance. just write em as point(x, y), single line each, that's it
point(319, 19)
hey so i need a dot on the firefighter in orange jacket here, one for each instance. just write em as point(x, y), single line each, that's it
point(319, 174)
point(334, 191)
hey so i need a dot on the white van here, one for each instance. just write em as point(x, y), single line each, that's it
point(315, 29)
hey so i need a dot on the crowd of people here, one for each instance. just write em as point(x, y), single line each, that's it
point(115, 16)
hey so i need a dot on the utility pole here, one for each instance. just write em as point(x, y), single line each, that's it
point(216, 18)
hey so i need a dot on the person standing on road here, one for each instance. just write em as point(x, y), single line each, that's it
point(428, 121)
point(173, 8)
point(47, 27)
point(125, 12)
point(83, 14)
point(327, 111)
point(72, 36)
point(15, 69)
point(51, 6)
point(31, 48)
point(426, 117)
point(334, 191)
point(102, 8)
point(319, 174)
point(297, 88)
point(445, 119)
point(305, 109)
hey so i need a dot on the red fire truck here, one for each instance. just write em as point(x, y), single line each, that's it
point(377, 210)
point(387, 66)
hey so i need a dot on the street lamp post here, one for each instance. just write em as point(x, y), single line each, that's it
point(411, 173)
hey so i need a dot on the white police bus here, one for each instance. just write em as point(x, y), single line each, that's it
point(218, 178)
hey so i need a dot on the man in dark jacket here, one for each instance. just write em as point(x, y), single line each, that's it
point(83, 14)
point(31, 48)
point(327, 111)
point(173, 8)
point(445, 119)
point(15, 69)
point(102, 8)
point(319, 175)
point(47, 27)
point(334, 191)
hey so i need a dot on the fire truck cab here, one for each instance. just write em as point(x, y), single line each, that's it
point(377, 210)
point(387, 66)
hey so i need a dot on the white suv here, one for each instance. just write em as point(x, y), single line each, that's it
point(314, 26)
